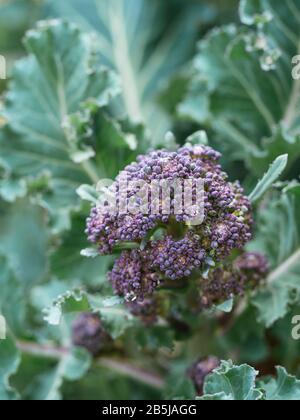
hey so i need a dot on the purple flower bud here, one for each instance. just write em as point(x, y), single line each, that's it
point(132, 276)
point(233, 279)
point(88, 332)
point(200, 370)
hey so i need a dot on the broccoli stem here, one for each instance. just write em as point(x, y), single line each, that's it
point(122, 367)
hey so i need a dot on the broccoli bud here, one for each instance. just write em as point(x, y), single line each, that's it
point(88, 332)
point(133, 277)
point(147, 310)
point(200, 370)
point(233, 279)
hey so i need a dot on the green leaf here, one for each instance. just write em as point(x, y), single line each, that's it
point(129, 30)
point(87, 193)
point(230, 89)
point(12, 298)
point(274, 172)
point(53, 82)
point(68, 264)
point(272, 304)
point(280, 221)
point(114, 315)
point(11, 189)
point(155, 337)
point(24, 240)
point(242, 84)
point(69, 302)
point(72, 367)
point(44, 295)
point(116, 318)
point(89, 253)
point(109, 136)
point(216, 397)
point(281, 142)
point(77, 364)
point(15, 17)
point(232, 383)
point(50, 383)
point(9, 363)
point(200, 137)
point(284, 388)
point(248, 335)
point(239, 383)
point(178, 384)
point(226, 306)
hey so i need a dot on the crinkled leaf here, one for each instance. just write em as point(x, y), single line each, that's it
point(272, 304)
point(233, 383)
point(118, 139)
point(114, 315)
point(54, 81)
point(68, 302)
point(284, 388)
point(238, 383)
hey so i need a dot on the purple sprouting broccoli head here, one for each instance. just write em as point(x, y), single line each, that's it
point(183, 248)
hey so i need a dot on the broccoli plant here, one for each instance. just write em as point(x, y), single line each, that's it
point(150, 201)
point(168, 249)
